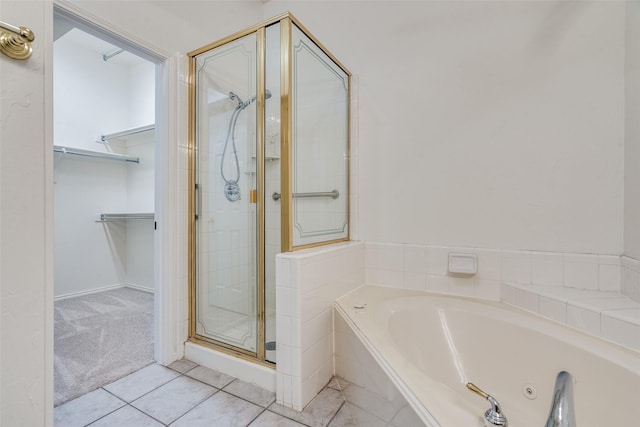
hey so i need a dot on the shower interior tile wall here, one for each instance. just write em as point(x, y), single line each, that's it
point(91, 98)
point(225, 227)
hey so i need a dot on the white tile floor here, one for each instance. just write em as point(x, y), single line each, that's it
point(186, 394)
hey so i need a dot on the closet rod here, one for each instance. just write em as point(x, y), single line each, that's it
point(94, 154)
point(107, 137)
point(120, 216)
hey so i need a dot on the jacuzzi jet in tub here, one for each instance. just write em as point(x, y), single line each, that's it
point(529, 391)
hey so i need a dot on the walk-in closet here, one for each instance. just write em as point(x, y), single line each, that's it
point(104, 151)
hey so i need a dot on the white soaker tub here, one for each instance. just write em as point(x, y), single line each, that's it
point(431, 345)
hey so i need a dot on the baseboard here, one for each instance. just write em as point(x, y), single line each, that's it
point(102, 289)
point(138, 287)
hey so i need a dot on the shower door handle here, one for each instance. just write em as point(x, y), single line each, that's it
point(197, 201)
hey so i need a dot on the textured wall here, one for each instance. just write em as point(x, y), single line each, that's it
point(26, 254)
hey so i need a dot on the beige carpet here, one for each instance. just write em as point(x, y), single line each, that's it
point(100, 338)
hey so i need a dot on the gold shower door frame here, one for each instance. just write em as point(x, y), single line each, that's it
point(286, 21)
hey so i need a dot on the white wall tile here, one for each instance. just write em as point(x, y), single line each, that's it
point(392, 278)
point(631, 315)
point(284, 330)
point(415, 259)
point(581, 271)
point(393, 257)
point(609, 260)
point(621, 332)
point(547, 268)
point(462, 285)
point(279, 388)
point(581, 258)
point(284, 359)
point(508, 294)
point(318, 277)
point(416, 281)
point(437, 260)
point(587, 320)
point(437, 283)
point(283, 271)
point(309, 388)
point(316, 329)
point(374, 276)
point(487, 289)
point(630, 278)
point(296, 393)
point(601, 304)
point(312, 303)
point(609, 277)
point(373, 256)
point(526, 300)
point(516, 267)
point(552, 309)
point(325, 373)
point(284, 301)
point(489, 264)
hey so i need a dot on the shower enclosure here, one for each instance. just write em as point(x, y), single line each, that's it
point(269, 173)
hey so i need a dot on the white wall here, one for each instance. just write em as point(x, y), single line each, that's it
point(89, 95)
point(630, 264)
point(26, 251)
point(484, 124)
point(175, 26)
point(632, 134)
point(93, 97)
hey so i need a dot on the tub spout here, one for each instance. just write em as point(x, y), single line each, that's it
point(493, 415)
point(561, 414)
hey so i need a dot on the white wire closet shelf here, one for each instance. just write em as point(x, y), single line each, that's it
point(94, 154)
point(109, 136)
point(106, 217)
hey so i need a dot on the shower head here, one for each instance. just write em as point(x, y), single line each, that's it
point(244, 104)
point(236, 98)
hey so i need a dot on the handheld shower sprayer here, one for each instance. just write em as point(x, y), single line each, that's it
point(235, 98)
point(231, 186)
point(244, 104)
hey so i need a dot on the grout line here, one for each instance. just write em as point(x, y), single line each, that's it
point(105, 415)
point(193, 407)
point(256, 417)
point(145, 414)
point(336, 413)
point(151, 391)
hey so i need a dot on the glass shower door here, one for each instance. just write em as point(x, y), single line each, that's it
point(226, 217)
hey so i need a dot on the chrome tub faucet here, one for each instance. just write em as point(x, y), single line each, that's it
point(561, 413)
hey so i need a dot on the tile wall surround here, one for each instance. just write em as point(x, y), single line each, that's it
point(599, 294)
point(595, 293)
point(307, 284)
point(423, 267)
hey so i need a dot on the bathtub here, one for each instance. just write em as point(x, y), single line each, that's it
point(429, 346)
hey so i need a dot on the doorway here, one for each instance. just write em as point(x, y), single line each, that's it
point(105, 206)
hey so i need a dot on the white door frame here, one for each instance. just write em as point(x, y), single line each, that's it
point(170, 296)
